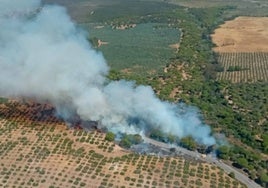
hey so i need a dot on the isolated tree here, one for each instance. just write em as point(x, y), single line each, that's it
point(110, 136)
point(232, 174)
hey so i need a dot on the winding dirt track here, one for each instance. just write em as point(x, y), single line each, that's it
point(209, 159)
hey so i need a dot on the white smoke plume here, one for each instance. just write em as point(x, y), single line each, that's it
point(9, 7)
point(46, 57)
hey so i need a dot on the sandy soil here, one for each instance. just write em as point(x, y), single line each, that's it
point(243, 34)
point(99, 27)
point(175, 46)
point(100, 43)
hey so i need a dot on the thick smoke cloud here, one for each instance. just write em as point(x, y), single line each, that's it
point(46, 58)
point(8, 6)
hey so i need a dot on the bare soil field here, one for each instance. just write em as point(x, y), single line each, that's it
point(243, 34)
point(39, 150)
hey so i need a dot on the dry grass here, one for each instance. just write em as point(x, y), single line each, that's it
point(243, 34)
point(243, 43)
point(38, 150)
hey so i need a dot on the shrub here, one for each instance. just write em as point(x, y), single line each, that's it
point(110, 136)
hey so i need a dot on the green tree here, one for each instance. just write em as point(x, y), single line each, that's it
point(232, 174)
point(110, 136)
point(130, 139)
point(242, 162)
point(158, 135)
point(125, 142)
point(188, 142)
point(264, 178)
point(223, 152)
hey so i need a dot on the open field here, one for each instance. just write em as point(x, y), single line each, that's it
point(39, 150)
point(243, 34)
point(243, 67)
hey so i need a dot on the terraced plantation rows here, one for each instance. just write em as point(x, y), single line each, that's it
point(243, 67)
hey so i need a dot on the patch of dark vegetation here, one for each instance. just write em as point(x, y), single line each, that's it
point(186, 142)
point(128, 9)
point(3, 100)
point(128, 140)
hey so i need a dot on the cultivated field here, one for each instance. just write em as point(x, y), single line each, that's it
point(255, 8)
point(242, 47)
point(138, 47)
point(38, 150)
point(243, 34)
point(243, 67)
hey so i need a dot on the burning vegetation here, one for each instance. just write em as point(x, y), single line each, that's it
point(56, 64)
